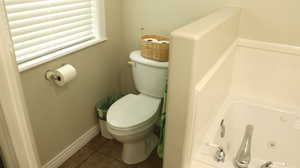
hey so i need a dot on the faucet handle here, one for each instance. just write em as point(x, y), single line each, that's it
point(220, 153)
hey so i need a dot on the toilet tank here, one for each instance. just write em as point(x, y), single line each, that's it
point(149, 76)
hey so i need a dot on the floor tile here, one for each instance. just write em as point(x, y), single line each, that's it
point(112, 149)
point(96, 143)
point(152, 162)
point(98, 160)
point(78, 158)
point(103, 153)
point(83, 154)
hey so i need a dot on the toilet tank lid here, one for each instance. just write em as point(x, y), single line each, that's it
point(136, 56)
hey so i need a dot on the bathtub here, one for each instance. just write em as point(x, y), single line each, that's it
point(276, 135)
point(217, 75)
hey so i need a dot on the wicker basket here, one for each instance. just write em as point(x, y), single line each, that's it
point(158, 51)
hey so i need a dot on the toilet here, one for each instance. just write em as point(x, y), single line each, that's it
point(131, 119)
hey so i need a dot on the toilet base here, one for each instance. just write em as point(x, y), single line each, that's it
point(138, 151)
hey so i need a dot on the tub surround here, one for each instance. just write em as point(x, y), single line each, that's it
point(195, 56)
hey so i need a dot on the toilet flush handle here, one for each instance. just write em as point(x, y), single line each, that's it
point(131, 63)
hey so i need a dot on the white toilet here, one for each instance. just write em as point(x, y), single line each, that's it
point(131, 119)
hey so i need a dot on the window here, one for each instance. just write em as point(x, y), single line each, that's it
point(43, 30)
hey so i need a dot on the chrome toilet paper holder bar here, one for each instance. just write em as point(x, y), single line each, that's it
point(51, 75)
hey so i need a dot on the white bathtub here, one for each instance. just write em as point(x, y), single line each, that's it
point(276, 135)
point(216, 74)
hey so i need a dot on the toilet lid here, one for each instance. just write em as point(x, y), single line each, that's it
point(132, 110)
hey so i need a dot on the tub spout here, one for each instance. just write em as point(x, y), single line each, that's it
point(243, 156)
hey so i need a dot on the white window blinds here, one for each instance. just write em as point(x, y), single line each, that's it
point(43, 27)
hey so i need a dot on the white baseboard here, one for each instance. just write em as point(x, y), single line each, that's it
point(59, 159)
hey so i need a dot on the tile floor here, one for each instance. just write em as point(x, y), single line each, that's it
point(102, 153)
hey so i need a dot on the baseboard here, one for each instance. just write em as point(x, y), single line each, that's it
point(59, 159)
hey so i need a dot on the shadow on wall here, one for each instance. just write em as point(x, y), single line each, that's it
point(1, 159)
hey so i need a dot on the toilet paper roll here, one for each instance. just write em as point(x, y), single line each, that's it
point(150, 40)
point(164, 42)
point(65, 74)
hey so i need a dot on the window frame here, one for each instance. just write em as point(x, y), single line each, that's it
point(98, 12)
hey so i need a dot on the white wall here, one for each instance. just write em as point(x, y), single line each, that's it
point(157, 17)
point(271, 20)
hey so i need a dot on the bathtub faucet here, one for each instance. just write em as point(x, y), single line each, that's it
point(243, 156)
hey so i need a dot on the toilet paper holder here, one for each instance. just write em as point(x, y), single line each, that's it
point(52, 76)
point(62, 75)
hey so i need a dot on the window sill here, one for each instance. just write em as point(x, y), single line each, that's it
point(50, 57)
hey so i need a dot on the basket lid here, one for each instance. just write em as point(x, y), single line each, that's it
point(136, 56)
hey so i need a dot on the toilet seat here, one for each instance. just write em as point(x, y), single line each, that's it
point(133, 112)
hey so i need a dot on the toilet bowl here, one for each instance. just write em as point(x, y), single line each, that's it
point(131, 119)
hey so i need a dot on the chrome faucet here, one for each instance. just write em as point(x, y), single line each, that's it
point(220, 155)
point(243, 156)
